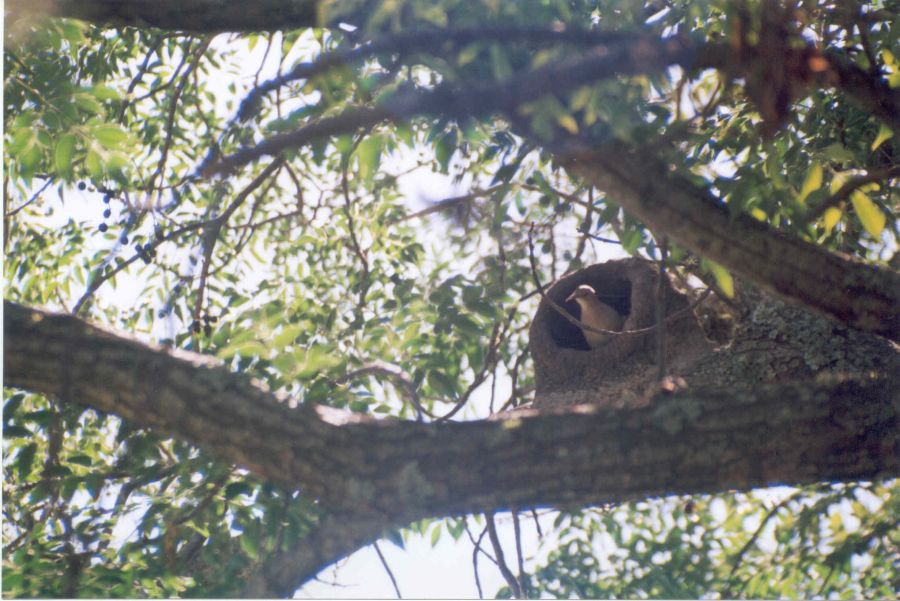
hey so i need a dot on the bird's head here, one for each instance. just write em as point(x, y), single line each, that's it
point(583, 291)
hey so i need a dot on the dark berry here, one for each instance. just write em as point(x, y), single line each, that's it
point(103, 227)
point(107, 213)
point(161, 314)
point(177, 288)
point(196, 327)
point(213, 319)
point(159, 234)
point(124, 239)
point(82, 185)
point(146, 259)
point(107, 198)
point(207, 330)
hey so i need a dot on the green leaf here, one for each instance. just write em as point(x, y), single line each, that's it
point(443, 385)
point(63, 155)
point(88, 103)
point(395, 537)
point(25, 460)
point(831, 217)
point(884, 133)
point(444, 149)
point(109, 135)
point(468, 54)
point(812, 182)
point(868, 212)
point(238, 488)
point(94, 163)
point(722, 276)
point(435, 535)
point(287, 335)
point(106, 93)
point(318, 358)
point(81, 460)
point(369, 155)
point(250, 546)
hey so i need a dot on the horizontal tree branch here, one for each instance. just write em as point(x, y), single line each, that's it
point(397, 471)
point(428, 41)
point(840, 287)
point(192, 16)
point(645, 54)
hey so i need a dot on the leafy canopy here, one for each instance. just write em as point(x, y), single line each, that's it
point(300, 267)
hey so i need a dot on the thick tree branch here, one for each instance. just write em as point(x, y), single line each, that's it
point(335, 537)
point(194, 16)
point(691, 442)
point(842, 288)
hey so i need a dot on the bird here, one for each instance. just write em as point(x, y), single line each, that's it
point(596, 314)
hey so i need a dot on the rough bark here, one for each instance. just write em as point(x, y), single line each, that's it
point(840, 287)
point(391, 471)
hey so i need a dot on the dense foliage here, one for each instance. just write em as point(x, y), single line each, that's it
point(302, 266)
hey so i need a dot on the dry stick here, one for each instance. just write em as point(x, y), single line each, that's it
point(568, 316)
point(387, 569)
point(501, 561)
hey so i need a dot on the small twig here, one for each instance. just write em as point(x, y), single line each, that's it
point(738, 558)
point(31, 200)
point(537, 524)
point(387, 569)
point(395, 372)
point(154, 47)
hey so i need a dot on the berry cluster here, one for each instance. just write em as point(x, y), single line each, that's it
point(208, 320)
point(146, 252)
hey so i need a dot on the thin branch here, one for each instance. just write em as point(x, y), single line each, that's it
point(520, 557)
point(501, 561)
point(648, 53)
point(354, 240)
point(31, 200)
point(396, 373)
point(387, 569)
point(426, 41)
point(173, 106)
point(142, 69)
